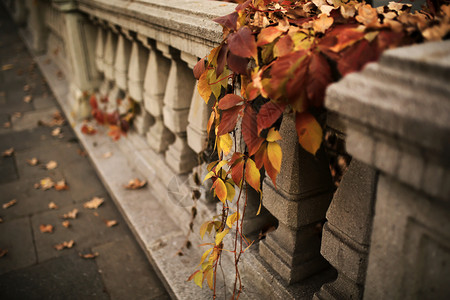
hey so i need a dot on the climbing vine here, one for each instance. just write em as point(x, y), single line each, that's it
point(278, 57)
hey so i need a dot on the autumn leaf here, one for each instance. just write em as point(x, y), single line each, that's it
point(250, 130)
point(228, 21)
point(268, 35)
point(88, 255)
point(56, 131)
point(52, 205)
point(46, 183)
point(27, 99)
point(9, 204)
point(229, 101)
point(283, 46)
point(355, 57)
point(64, 245)
point(135, 184)
point(319, 77)
point(7, 125)
point(237, 64)
point(221, 235)
point(268, 114)
point(237, 171)
point(7, 67)
point(33, 162)
point(199, 68)
point(203, 87)
point(61, 185)
point(252, 175)
point(3, 252)
point(111, 223)
point(114, 132)
point(220, 189)
point(88, 129)
point(51, 165)
point(71, 214)
point(46, 228)
point(242, 43)
point(225, 143)
point(107, 154)
point(197, 276)
point(322, 23)
point(66, 224)
point(228, 120)
point(8, 152)
point(309, 132)
point(367, 15)
point(231, 219)
point(94, 203)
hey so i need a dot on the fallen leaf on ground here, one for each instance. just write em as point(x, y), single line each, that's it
point(8, 152)
point(52, 205)
point(57, 120)
point(61, 185)
point(47, 183)
point(110, 223)
point(66, 224)
point(1, 220)
point(51, 165)
point(94, 203)
point(9, 204)
point(88, 255)
point(56, 131)
point(7, 125)
point(37, 186)
point(33, 162)
point(71, 214)
point(3, 252)
point(27, 99)
point(26, 88)
point(88, 129)
point(7, 67)
point(63, 245)
point(17, 115)
point(107, 154)
point(81, 153)
point(135, 184)
point(46, 228)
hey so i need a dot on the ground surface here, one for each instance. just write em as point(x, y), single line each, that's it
point(32, 268)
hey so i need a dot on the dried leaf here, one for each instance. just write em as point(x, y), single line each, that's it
point(135, 184)
point(26, 88)
point(56, 131)
point(27, 99)
point(319, 77)
point(9, 204)
point(94, 203)
point(51, 165)
point(107, 154)
point(221, 235)
point(61, 185)
point(66, 224)
point(47, 183)
point(71, 214)
point(7, 125)
point(33, 162)
point(46, 228)
point(111, 223)
point(228, 120)
point(52, 205)
point(322, 23)
point(8, 152)
point(7, 67)
point(88, 129)
point(268, 35)
point(64, 244)
point(228, 21)
point(3, 252)
point(88, 255)
point(367, 15)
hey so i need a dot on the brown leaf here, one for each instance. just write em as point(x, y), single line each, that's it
point(46, 228)
point(8, 152)
point(250, 131)
point(88, 129)
point(51, 165)
point(61, 185)
point(319, 77)
point(26, 88)
point(33, 162)
point(135, 184)
point(66, 224)
point(56, 132)
point(7, 67)
point(242, 43)
point(268, 35)
point(1, 220)
point(323, 23)
point(199, 68)
point(355, 57)
point(107, 154)
point(94, 203)
point(3, 252)
point(309, 132)
point(283, 46)
point(47, 183)
point(110, 223)
point(228, 21)
point(237, 64)
point(52, 205)
point(64, 244)
point(88, 255)
point(9, 204)
point(367, 15)
point(228, 120)
point(71, 214)
point(7, 125)
point(17, 115)
point(27, 99)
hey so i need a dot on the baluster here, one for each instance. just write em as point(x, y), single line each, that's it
point(177, 101)
point(36, 25)
point(300, 202)
point(100, 49)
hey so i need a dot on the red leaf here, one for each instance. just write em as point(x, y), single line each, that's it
point(249, 130)
point(93, 102)
point(319, 77)
point(237, 64)
point(237, 172)
point(228, 120)
point(387, 39)
point(268, 114)
point(296, 87)
point(282, 70)
point(283, 46)
point(243, 6)
point(221, 59)
point(99, 116)
point(112, 118)
point(199, 68)
point(228, 21)
point(355, 57)
point(345, 36)
point(229, 101)
point(88, 129)
point(242, 43)
point(268, 35)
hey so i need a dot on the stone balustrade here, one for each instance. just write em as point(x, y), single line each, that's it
point(385, 233)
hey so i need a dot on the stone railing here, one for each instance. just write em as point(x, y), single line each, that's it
point(385, 234)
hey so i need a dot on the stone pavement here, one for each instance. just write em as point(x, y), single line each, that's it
point(32, 268)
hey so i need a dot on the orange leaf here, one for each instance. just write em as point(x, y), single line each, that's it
point(323, 23)
point(283, 46)
point(46, 228)
point(271, 171)
point(220, 189)
point(275, 155)
point(268, 35)
point(203, 87)
point(309, 132)
point(229, 101)
point(319, 77)
point(252, 175)
point(250, 131)
point(268, 114)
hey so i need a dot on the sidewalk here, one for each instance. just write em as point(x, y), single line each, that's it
point(32, 268)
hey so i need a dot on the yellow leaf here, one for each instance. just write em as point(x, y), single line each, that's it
point(275, 155)
point(208, 176)
point(273, 135)
point(221, 235)
point(198, 278)
point(220, 165)
point(230, 190)
point(252, 175)
point(205, 255)
point(309, 132)
point(210, 278)
point(220, 189)
point(94, 203)
point(211, 165)
point(232, 219)
point(225, 143)
point(203, 87)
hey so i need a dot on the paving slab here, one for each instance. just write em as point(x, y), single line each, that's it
point(8, 171)
point(21, 252)
point(67, 277)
